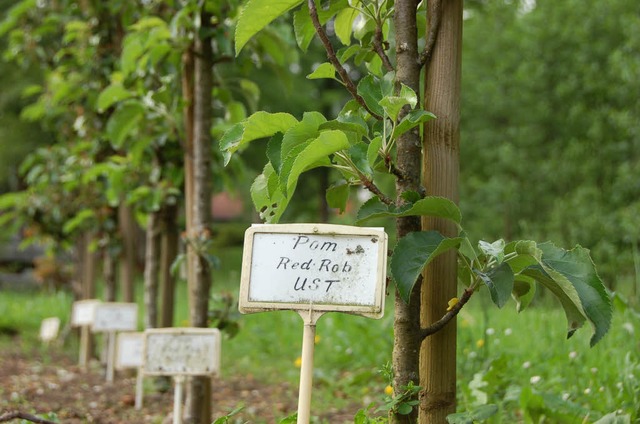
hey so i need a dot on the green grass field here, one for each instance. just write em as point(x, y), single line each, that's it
point(521, 363)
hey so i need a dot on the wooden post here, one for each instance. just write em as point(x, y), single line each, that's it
point(440, 173)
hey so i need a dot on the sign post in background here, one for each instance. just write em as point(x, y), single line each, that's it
point(130, 354)
point(181, 352)
point(82, 314)
point(313, 269)
point(110, 317)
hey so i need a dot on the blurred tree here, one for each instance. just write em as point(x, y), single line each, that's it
point(548, 101)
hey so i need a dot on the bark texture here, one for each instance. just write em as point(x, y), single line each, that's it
point(406, 345)
point(441, 162)
point(128, 263)
point(198, 410)
point(169, 239)
point(151, 267)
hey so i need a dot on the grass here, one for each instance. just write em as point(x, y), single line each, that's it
point(522, 363)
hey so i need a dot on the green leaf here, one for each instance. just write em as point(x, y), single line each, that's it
point(392, 105)
point(270, 204)
point(577, 268)
point(337, 196)
point(404, 408)
point(301, 132)
point(78, 220)
point(123, 121)
point(257, 14)
point(132, 49)
point(614, 418)
point(324, 70)
point(524, 289)
point(412, 253)
point(326, 144)
point(302, 25)
point(358, 155)
point(259, 125)
point(274, 151)
point(112, 94)
point(373, 151)
point(411, 120)
point(369, 88)
point(499, 281)
point(480, 413)
point(343, 24)
point(435, 206)
point(494, 250)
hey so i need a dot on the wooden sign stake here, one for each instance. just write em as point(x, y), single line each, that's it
point(111, 354)
point(306, 366)
point(139, 380)
point(177, 399)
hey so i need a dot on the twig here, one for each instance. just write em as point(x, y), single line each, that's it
point(377, 46)
point(370, 185)
point(438, 325)
point(393, 169)
point(331, 55)
point(23, 415)
point(434, 27)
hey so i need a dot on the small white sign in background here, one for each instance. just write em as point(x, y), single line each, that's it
point(182, 351)
point(130, 350)
point(320, 266)
point(83, 312)
point(49, 329)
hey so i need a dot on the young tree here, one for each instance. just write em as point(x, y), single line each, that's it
point(378, 132)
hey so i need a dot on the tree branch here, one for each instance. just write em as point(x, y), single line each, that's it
point(439, 325)
point(378, 47)
point(370, 185)
point(434, 27)
point(23, 415)
point(331, 55)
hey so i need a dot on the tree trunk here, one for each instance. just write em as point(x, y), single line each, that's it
point(169, 236)
point(88, 286)
point(127, 267)
point(109, 275)
point(406, 344)
point(441, 162)
point(151, 267)
point(198, 409)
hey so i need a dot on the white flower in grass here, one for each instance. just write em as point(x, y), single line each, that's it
point(535, 379)
point(526, 365)
point(619, 385)
point(587, 391)
point(594, 370)
point(601, 389)
point(573, 355)
point(628, 327)
point(565, 397)
point(507, 331)
point(490, 331)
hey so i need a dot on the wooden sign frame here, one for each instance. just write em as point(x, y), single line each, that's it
point(318, 267)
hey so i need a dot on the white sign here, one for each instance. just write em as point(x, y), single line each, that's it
point(115, 316)
point(314, 266)
point(130, 351)
point(83, 312)
point(182, 351)
point(49, 329)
